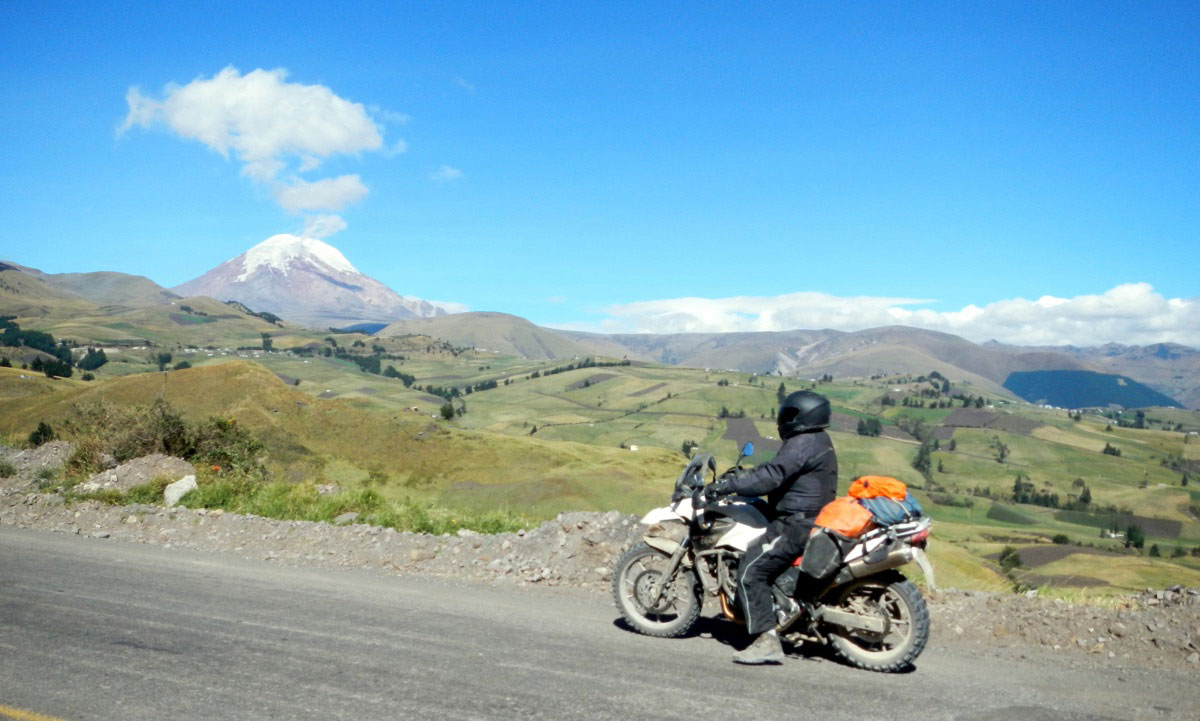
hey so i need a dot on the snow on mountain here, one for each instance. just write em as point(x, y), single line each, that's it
point(279, 251)
point(306, 281)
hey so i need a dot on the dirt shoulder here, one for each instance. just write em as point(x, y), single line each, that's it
point(576, 551)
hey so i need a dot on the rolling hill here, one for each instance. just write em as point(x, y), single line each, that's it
point(334, 441)
point(497, 332)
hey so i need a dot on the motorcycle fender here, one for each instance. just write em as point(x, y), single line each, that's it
point(666, 545)
point(679, 511)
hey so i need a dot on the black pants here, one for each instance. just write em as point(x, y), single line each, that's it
point(765, 559)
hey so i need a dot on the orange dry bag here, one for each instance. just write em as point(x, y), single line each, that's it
point(845, 516)
point(876, 486)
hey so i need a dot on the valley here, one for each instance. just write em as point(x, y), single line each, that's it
point(485, 411)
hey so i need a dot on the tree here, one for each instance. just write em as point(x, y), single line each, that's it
point(1086, 496)
point(1134, 536)
point(1154, 551)
point(266, 341)
point(688, 447)
point(92, 360)
point(1111, 450)
point(922, 462)
point(447, 410)
point(781, 393)
point(163, 358)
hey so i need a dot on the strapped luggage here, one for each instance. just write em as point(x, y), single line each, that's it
point(845, 516)
point(886, 498)
point(837, 525)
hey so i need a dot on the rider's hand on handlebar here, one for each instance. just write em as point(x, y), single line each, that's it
point(715, 491)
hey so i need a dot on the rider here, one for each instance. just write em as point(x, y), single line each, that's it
point(797, 482)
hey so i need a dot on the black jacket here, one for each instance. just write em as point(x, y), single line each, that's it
point(801, 477)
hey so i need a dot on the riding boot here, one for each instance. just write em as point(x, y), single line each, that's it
point(765, 648)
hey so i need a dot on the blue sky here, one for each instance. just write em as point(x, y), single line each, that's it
point(686, 166)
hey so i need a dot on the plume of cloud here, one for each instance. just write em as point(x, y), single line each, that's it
point(446, 173)
point(326, 194)
point(1132, 313)
point(323, 225)
point(276, 129)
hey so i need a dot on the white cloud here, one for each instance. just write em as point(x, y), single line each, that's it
point(446, 173)
point(449, 306)
point(323, 226)
point(269, 125)
point(1132, 313)
point(330, 194)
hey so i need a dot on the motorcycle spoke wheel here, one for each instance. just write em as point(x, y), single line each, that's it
point(635, 587)
point(899, 605)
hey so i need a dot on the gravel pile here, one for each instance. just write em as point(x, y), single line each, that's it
point(1153, 628)
point(577, 550)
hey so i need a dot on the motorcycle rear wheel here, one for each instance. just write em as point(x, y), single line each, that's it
point(635, 580)
point(896, 600)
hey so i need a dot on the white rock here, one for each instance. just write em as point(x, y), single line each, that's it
point(179, 489)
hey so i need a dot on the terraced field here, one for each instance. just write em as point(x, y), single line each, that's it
point(545, 441)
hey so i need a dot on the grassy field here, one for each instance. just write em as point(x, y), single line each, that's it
point(565, 440)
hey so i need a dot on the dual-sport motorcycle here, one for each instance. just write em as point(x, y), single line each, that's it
point(861, 606)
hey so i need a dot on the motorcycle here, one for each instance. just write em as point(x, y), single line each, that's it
point(866, 610)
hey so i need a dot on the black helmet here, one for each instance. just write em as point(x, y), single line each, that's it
point(801, 412)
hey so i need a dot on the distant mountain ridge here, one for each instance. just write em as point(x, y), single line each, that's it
point(812, 353)
point(305, 281)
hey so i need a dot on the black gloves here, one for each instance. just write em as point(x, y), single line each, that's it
point(723, 487)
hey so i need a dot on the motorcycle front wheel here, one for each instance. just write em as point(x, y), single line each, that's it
point(635, 583)
point(896, 601)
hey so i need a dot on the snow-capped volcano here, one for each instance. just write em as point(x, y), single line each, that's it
point(279, 251)
point(307, 281)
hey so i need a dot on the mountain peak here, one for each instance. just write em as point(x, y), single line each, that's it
point(278, 252)
point(306, 281)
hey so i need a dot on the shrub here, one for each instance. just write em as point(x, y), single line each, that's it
point(1010, 558)
point(7, 469)
point(135, 431)
point(46, 478)
point(1061, 538)
point(42, 434)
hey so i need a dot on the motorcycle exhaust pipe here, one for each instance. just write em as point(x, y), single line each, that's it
point(865, 566)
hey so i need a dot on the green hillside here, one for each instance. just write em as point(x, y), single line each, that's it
point(544, 436)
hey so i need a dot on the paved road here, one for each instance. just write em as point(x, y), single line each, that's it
point(97, 629)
